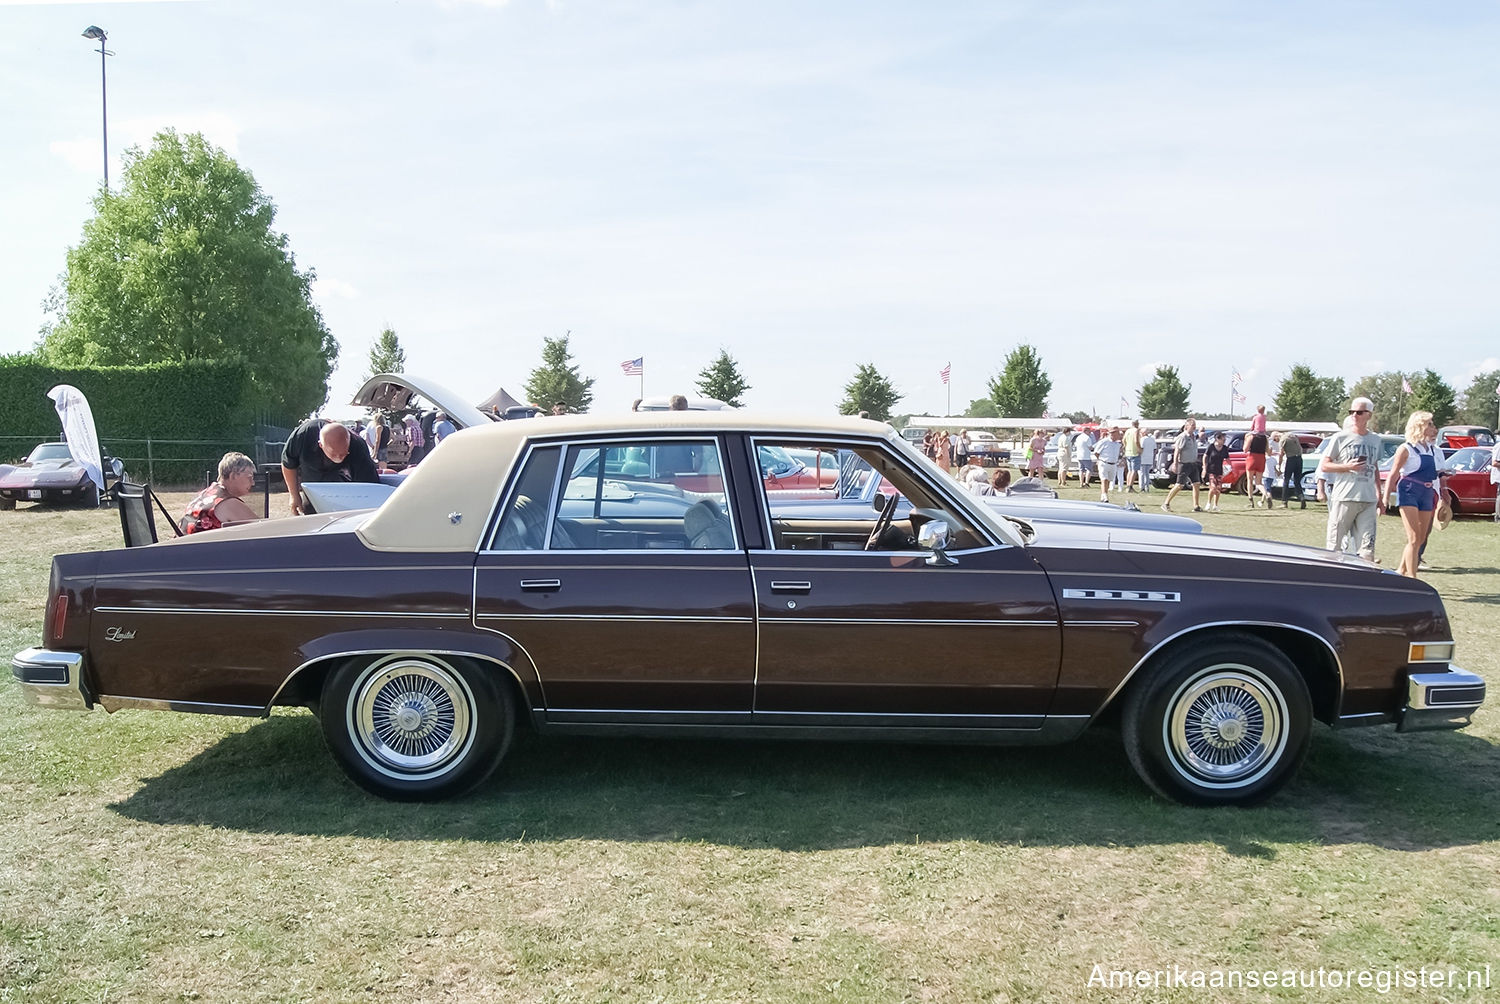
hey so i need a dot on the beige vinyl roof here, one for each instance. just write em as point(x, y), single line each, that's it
point(445, 502)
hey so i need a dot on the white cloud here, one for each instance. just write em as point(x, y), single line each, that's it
point(335, 287)
point(79, 154)
point(217, 127)
point(79, 3)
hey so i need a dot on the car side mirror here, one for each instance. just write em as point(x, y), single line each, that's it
point(933, 536)
point(117, 467)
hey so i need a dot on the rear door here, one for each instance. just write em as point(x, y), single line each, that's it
point(629, 591)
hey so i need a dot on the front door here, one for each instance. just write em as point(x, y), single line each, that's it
point(870, 632)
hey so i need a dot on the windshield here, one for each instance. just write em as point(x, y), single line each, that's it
point(49, 451)
point(776, 462)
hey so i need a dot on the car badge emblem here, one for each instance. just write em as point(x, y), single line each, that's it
point(118, 634)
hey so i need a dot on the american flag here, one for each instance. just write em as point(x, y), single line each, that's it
point(1239, 398)
point(634, 367)
point(1405, 385)
point(946, 371)
point(1236, 378)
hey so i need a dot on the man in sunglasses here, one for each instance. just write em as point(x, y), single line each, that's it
point(1352, 463)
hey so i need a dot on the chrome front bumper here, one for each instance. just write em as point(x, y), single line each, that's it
point(50, 679)
point(1440, 700)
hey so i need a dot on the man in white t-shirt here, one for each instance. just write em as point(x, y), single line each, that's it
point(1352, 461)
point(1148, 459)
point(1107, 452)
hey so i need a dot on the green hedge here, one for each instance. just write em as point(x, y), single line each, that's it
point(199, 401)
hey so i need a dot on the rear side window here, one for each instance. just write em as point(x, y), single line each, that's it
point(644, 495)
point(523, 524)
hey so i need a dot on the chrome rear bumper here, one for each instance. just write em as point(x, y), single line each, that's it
point(1440, 700)
point(50, 679)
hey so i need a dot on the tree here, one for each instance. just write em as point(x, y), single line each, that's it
point(1390, 400)
point(386, 355)
point(557, 379)
point(182, 263)
point(1431, 392)
point(1303, 396)
point(982, 407)
point(869, 391)
point(1021, 389)
point(722, 381)
point(1164, 395)
point(1479, 401)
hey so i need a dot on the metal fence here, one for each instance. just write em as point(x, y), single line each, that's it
point(168, 461)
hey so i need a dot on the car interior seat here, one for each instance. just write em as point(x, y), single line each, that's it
point(707, 527)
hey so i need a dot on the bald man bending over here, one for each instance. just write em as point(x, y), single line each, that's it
point(320, 450)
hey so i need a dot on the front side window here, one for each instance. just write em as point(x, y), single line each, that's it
point(838, 510)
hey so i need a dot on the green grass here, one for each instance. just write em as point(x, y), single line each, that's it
point(157, 857)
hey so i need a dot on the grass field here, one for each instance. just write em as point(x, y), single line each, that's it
point(147, 856)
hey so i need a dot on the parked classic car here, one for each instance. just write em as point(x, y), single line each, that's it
point(48, 474)
point(1467, 480)
point(507, 583)
point(1456, 437)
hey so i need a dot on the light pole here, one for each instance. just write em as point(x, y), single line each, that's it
point(93, 31)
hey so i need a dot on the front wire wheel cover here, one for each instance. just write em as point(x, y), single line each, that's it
point(1226, 726)
point(411, 717)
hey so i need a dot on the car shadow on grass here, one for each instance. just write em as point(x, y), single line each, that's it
point(1401, 792)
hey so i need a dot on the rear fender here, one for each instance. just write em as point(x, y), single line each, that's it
point(317, 657)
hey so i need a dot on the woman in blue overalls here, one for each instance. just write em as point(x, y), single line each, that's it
point(1414, 476)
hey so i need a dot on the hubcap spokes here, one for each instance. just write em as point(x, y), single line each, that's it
point(411, 717)
point(1226, 726)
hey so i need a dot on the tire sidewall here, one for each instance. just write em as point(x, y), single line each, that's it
point(1149, 713)
point(491, 724)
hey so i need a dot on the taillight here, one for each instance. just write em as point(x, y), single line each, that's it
point(59, 616)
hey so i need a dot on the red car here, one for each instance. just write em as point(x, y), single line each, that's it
point(1468, 480)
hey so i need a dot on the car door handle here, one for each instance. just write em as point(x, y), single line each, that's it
point(791, 587)
point(541, 585)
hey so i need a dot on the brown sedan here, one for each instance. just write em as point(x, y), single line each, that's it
point(583, 575)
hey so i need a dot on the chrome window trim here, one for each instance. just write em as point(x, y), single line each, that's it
point(952, 570)
point(508, 490)
point(755, 439)
point(565, 444)
point(1337, 663)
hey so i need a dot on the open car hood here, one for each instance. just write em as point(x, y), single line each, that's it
point(394, 391)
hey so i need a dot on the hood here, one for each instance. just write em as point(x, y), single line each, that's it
point(394, 392)
point(1104, 513)
point(1122, 539)
point(43, 473)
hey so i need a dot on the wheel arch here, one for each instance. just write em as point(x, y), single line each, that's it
point(304, 687)
point(1309, 652)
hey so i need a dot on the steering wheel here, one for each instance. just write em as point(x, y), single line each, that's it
point(882, 522)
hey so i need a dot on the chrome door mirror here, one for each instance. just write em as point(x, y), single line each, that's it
point(933, 536)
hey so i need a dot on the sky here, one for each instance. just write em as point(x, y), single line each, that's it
point(810, 187)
